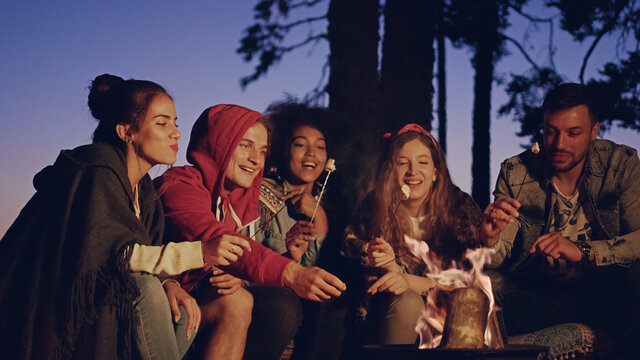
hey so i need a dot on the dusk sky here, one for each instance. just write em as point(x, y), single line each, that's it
point(51, 50)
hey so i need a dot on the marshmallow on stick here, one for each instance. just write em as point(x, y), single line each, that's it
point(535, 148)
point(406, 191)
point(329, 167)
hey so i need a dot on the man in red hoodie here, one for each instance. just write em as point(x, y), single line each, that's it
point(216, 199)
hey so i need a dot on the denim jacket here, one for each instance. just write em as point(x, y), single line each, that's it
point(274, 234)
point(609, 194)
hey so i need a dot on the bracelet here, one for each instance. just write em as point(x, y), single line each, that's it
point(171, 280)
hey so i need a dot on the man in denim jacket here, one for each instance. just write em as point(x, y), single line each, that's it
point(566, 225)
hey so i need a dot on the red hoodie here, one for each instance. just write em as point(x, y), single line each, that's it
point(191, 195)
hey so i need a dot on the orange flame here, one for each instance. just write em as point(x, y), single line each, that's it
point(431, 323)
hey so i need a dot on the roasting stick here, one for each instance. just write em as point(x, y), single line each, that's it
point(330, 167)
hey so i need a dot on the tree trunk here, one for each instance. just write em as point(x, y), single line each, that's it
point(483, 61)
point(352, 88)
point(407, 64)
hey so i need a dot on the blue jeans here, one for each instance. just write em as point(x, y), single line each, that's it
point(157, 337)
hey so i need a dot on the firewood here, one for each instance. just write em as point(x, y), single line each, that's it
point(466, 319)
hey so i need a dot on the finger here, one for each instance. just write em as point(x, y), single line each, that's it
point(546, 243)
point(554, 250)
point(378, 248)
point(244, 243)
point(190, 317)
point(173, 304)
point(229, 256)
point(313, 297)
point(236, 250)
point(304, 223)
point(320, 291)
point(390, 279)
point(220, 278)
point(334, 281)
point(377, 241)
point(396, 287)
point(198, 315)
point(226, 284)
point(513, 202)
point(293, 194)
point(229, 290)
point(305, 229)
point(222, 261)
point(507, 207)
point(376, 286)
point(546, 246)
point(539, 240)
point(499, 214)
point(193, 315)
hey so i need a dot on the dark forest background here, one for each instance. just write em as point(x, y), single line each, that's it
point(387, 64)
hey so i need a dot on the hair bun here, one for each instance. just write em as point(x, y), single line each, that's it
point(98, 99)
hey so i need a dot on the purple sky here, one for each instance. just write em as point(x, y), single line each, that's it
point(50, 51)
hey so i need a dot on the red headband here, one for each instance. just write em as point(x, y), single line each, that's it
point(413, 127)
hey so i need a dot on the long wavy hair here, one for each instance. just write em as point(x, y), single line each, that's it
point(391, 219)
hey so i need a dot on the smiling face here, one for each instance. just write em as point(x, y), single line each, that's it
point(156, 141)
point(307, 155)
point(248, 158)
point(567, 134)
point(414, 167)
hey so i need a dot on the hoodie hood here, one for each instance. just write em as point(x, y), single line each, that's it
point(214, 138)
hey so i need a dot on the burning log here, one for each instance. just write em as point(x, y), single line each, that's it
point(466, 320)
point(462, 321)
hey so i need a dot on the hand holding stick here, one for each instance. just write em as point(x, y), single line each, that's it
point(330, 167)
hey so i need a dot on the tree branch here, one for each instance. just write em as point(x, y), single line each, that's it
point(552, 51)
point(304, 42)
point(308, 20)
point(522, 50)
point(309, 3)
point(603, 32)
point(531, 17)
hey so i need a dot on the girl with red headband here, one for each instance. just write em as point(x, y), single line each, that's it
point(413, 196)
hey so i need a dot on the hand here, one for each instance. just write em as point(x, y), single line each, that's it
point(557, 246)
point(178, 296)
point(226, 284)
point(297, 239)
point(393, 282)
point(380, 253)
point(496, 217)
point(312, 283)
point(303, 202)
point(224, 249)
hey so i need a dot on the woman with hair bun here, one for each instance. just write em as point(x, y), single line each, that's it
point(80, 266)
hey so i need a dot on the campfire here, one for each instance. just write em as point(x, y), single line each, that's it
point(465, 319)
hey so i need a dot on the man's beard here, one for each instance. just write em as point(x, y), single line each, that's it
point(567, 167)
